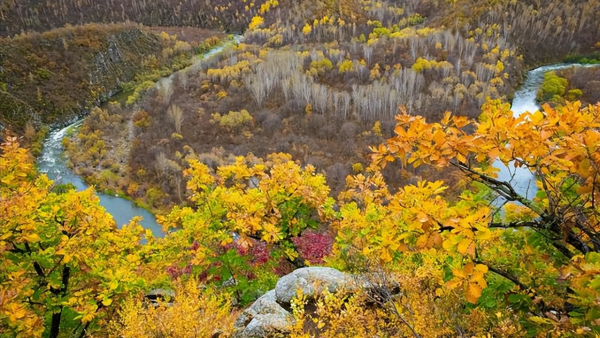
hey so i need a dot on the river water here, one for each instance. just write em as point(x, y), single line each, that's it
point(522, 180)
point(53, 163)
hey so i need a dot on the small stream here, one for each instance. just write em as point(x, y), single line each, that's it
point(53, 163)
point(522, 180)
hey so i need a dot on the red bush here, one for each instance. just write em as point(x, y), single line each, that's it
point(313, 247)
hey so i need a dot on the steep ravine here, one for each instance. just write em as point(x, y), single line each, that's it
point(56, 77)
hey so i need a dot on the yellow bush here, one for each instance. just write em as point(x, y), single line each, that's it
point(194, 312)
point(377, 128)
point(346, 66)
point(221, 94)
point(338, 315)
point(422, 64)
point(234, 120)
point(306, 29)
point(256, 22)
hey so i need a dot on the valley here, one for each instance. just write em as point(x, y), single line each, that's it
point(437, 158)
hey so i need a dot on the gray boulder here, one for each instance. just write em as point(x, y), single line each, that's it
point(264, 318)
point(312, 281)
point(267, 318)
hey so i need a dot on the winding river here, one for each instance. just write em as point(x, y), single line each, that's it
point(522, 180)
point(53, 163)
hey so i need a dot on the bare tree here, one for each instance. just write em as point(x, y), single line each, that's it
point(161, 165)
point(368, 52)
point(165, 89)
point(176, 114)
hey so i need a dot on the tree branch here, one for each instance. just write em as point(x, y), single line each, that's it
point(504, 274)
point(504, 189)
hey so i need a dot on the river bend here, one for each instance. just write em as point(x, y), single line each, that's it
point(53, 163)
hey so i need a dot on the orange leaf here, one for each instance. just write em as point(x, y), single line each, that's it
point(473, 292)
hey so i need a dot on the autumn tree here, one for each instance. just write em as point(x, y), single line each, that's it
point(539, 255)
point(249, 204)
point(63, 261)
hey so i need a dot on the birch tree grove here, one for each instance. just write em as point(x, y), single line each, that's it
point(268, 75)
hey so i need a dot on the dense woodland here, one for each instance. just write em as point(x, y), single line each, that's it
point(322, 138)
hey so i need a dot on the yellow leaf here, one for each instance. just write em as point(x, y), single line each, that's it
point(463, 245)
point(32, 238)
point(585, 189)
point(18, 313)
point(537, 116)
point(439, 137)
point(471, 249)
point(481, 268)
point(494, 153)
point(459, 273)
point(107, 302)
point(468, 268)
point(473, 292)
point(385, 255)
point(291, 253)
point(540, 320)
point(226, 241)
point(446, 118)
point(545, 134)
point(87, 318)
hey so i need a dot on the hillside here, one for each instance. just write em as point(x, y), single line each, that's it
point(54, 77)
point(18, 16)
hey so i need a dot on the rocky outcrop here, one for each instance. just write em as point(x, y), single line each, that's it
point(312, 281)
point(263, 318)
point(268, 317)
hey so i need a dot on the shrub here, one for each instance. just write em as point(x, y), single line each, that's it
point(346, 66)
point(357, 168)
point(194, 312)
point(141, 119)
point(235, 120)
point(573, 94)
point(139, 90)
point(313, 247)
point(553, 87)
